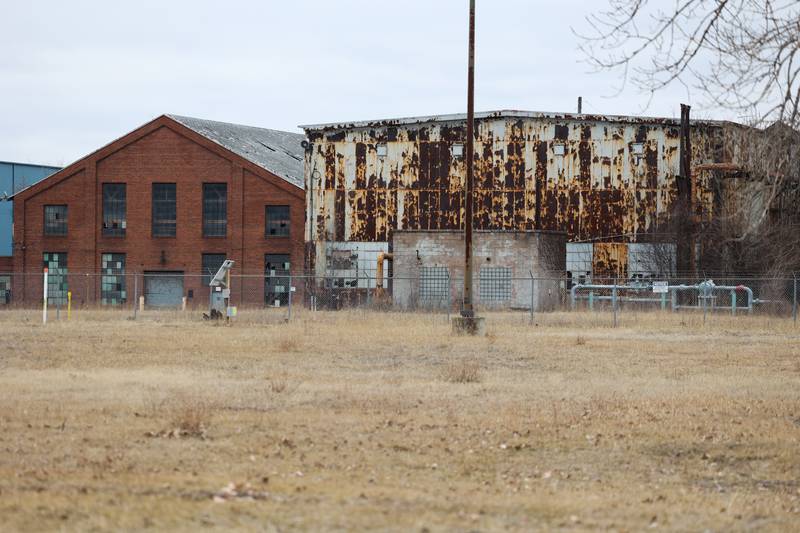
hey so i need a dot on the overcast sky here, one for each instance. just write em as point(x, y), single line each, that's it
point(74, 75)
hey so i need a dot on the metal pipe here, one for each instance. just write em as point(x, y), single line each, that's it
point(383, 256)
point(467, 310)
point(673, 289)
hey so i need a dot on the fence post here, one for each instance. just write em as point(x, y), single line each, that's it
point(794, 300)
point(44, 300)
point(703, 296)
point(369, 289)
point(449, 294)
point(135, 295)
point(290, 298)
point(532, 295)
point(614, 301)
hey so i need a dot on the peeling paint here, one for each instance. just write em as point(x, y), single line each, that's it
point(599, 189)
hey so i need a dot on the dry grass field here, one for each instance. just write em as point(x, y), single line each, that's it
point(353, 421)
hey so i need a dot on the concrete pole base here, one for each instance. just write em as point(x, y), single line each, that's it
point(463, 325)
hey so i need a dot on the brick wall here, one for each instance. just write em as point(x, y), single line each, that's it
point(161, 151)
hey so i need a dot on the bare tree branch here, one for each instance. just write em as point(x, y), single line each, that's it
point(740, 55)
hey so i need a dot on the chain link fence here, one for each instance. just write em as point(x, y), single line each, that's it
point(436, 291)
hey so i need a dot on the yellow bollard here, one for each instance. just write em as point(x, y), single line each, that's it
point(69, 304)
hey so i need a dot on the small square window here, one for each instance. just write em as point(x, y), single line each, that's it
point(381, 149)
point(55, 220)
point(637, 148)
point(277, 217)
point(559, 149)
point(457, 150)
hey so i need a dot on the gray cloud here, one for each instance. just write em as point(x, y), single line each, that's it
point(76, 75)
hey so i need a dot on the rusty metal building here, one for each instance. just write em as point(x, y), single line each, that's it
point(595, 177)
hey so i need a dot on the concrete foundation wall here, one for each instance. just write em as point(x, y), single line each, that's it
point(429, 268)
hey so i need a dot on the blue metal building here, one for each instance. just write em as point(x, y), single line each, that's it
point(13, 178)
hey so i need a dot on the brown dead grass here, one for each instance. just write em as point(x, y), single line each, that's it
point(462, 371)
point(191, 416)
point(348, 421)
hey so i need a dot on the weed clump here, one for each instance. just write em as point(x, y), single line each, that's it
point(186, 417)
point(462, 371)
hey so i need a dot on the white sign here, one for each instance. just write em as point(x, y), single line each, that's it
point(293, 289)
point(660, 287)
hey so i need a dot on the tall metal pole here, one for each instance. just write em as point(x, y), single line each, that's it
point(44, 300)
point(467, 310)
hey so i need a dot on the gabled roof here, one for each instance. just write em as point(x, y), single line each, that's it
point(505, 113)
point(279, 152)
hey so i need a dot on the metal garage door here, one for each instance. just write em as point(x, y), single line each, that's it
point(163, 289)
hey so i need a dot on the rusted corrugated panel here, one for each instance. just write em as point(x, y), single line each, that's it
point(579, 176)
point(610, 261)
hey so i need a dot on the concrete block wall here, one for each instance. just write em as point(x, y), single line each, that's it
point(524, 253)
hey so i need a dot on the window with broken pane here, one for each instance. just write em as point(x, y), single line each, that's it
point(55, 220)
point(114, 209)
point(277, 217)
point(112, 282)
point(57, 283)
point(5, 290)
point(276, 279)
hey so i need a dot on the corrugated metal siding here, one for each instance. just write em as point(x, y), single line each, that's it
point(13, 178)
point(598, 189)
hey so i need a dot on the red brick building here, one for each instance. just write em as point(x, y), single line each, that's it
point(166, 202)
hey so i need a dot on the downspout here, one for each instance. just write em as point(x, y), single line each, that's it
point(311, 246)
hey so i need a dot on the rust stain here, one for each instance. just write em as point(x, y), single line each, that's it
point(338, 215)
point(610, 261)
point(579, 176)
